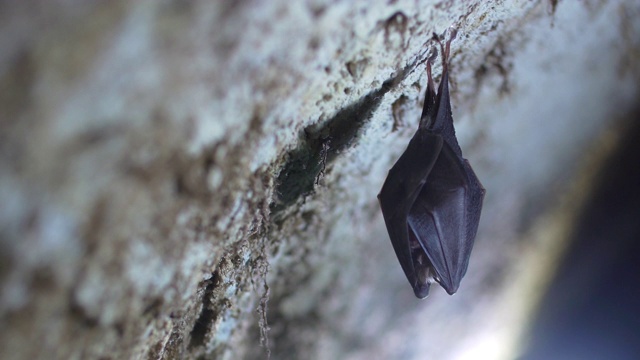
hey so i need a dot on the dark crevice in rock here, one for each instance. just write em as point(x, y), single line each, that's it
point(207, 316)
point(321, 144)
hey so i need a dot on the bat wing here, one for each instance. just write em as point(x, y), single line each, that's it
point(399, 192)
point(475, 198)
point(445, 215)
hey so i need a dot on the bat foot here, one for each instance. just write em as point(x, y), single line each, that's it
point(446, 48)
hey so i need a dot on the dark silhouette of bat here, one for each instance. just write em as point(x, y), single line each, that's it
point(431, 200)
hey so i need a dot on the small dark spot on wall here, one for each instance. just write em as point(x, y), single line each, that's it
point(398, 110)
point(318, 10)
point(79, 312)
point(314, 43)
point(396, 24)
point(497, 62)
point(191, 176)
point(356, 68)
point(154, 307)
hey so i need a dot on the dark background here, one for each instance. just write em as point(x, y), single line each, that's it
point(592, 308)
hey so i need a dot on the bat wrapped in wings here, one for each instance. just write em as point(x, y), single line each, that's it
point(431, 200)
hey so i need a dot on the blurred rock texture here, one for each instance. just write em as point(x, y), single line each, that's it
point(198, 179)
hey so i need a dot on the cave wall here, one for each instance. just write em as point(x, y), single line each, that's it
point(199, 179)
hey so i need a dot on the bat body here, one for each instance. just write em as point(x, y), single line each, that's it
point(431, 200)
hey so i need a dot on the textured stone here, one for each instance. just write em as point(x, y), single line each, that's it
point(177, 177)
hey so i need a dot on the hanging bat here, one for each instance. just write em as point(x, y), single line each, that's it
point(431, 200)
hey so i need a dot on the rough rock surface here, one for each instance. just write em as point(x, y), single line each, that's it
point(195, 179)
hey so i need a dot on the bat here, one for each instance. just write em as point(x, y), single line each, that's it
point(431, 200)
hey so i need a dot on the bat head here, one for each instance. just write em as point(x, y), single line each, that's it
point(425, 272)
